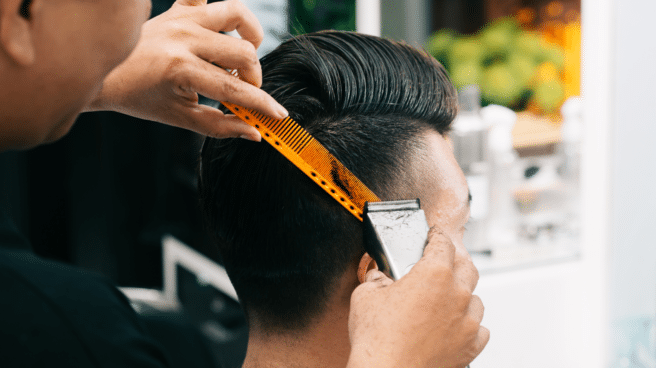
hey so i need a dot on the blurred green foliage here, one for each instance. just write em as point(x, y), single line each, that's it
point(513, 67)
point(316, 15)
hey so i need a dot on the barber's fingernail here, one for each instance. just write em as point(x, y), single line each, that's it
point(254, 138)
point(282, 112)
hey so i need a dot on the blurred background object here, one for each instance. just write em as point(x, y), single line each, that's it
point(524, 55)
point(316, 15)
point(274, 18)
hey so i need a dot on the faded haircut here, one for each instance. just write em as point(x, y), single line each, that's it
point(285, 243)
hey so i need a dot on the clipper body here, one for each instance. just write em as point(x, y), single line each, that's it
point(395, 234)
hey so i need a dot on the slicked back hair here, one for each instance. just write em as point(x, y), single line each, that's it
point(286, 243)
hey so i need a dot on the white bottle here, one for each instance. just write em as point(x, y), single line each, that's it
point(503, 217)
point(469, 135)
point(570, 143)
point(469, 131)
point(570, 151)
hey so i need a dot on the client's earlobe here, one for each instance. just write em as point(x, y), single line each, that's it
point(366, 263)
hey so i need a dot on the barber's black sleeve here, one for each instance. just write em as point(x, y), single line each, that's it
point(55, 315)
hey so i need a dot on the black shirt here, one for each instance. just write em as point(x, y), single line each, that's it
point(53, 315)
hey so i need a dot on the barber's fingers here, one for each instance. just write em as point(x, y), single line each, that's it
point(476, 309)
point(228, 16)
point(439, 247)
point(481, 340)
point(466, 273)
point(377, 278)
point(211, 122)
point(227, 52)
point(475, 316)
point(438, 259)
point(214, 82)
point(443, 255)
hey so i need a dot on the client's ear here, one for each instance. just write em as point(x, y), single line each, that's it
point(16, 30)
point(366, 263)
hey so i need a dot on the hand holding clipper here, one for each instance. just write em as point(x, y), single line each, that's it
point(431, 307)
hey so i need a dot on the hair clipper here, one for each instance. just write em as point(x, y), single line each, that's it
point(395, 234)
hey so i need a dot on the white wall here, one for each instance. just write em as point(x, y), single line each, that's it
point(406, 20)
point(535, 316)
point(633, 250)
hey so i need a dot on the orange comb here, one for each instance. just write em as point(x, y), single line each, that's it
point(310, 156)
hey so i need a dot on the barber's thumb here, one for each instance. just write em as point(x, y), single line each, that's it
point(377, 277)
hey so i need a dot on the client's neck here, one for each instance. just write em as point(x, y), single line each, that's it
point(324, 344)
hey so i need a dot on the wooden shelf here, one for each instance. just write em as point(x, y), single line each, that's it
point(535, 135)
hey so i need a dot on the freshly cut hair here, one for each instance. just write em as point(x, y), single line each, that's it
point(285, 243)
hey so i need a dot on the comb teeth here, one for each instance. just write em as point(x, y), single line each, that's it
point(287, 130)
point(312, 158)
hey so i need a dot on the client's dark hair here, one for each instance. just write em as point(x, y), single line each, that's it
point(285, 243)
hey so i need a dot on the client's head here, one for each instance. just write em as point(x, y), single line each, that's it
point(383, 109)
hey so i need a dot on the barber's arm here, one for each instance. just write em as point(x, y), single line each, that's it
point(176, 59)
point(428, 318)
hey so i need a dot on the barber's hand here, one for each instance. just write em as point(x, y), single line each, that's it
point(428, 318)
point(182, 54)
